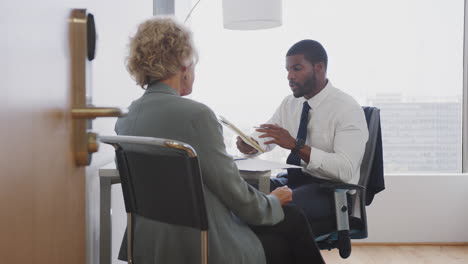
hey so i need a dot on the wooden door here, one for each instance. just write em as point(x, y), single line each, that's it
point(42, 192)
point(48, 210)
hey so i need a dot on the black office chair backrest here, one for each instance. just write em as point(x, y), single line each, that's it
point(373, 124)
point(156, 171)
point(154, 175)
point(161, 181)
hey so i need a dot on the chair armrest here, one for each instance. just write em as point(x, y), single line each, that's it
point(341, 186)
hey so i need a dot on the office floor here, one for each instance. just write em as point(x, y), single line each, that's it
point(369, 254)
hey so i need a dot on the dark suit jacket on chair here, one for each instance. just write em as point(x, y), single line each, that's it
point(376, 182)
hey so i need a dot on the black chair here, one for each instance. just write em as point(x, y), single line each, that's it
point(352, 225)
point(148, 168)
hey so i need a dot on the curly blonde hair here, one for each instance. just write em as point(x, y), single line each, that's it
point(157, 51)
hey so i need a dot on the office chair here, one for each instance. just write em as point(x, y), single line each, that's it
point(351, 226)
point(153, 169)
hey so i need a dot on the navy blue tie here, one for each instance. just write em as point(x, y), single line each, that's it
point(301, 134)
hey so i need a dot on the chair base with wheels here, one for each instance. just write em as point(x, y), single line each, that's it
point(352, 224)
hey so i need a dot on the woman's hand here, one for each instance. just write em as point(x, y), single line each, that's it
point(283, 193)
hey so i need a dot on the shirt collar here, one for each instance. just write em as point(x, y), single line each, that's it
point(315, 101)
point(160, 87)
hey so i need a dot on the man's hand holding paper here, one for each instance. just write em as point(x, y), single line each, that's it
point(244, 147)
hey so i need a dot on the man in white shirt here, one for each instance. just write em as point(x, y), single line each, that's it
point(324, 128)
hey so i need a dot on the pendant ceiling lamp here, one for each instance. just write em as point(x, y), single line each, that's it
point(251, 14)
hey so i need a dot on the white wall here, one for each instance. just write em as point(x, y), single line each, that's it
point(116, 21)
point(419, 208)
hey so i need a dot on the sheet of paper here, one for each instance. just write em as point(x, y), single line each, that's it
point(241, 134)
point(261, 165)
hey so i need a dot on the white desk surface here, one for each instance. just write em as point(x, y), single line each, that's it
point(110, 170)
point(248, 167)
point(263, 177)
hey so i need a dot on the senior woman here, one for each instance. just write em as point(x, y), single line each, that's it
point(245, 225)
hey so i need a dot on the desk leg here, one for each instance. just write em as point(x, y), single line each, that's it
point(264, 184)
point(105, 233)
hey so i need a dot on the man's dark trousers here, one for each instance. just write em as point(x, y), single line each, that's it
point(316, 202)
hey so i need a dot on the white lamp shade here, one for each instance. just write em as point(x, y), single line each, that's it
point(252, 14)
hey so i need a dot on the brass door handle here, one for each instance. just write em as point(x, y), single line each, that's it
point(93, 112)
point(82, 46)
point(85, 142)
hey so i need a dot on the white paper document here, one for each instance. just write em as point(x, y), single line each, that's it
point(254, 144)
point(261, 165)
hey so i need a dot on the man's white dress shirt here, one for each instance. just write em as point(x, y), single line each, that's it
point(336, 132)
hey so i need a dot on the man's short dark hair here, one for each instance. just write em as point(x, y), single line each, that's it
point(312, 50)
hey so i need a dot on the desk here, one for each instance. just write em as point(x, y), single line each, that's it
point(109, 175)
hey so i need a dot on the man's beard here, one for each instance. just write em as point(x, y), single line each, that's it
point(308, 87)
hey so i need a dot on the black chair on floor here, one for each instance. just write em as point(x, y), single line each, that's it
point(148, 168)
point(353, 225)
